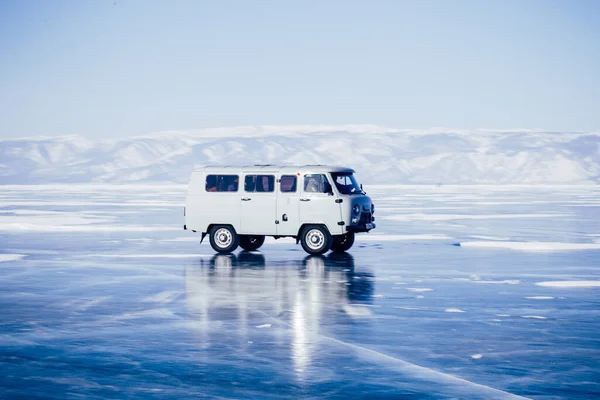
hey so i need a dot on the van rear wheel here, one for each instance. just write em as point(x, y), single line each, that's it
point(251, 242)
point(316, 239)
point(342, 243)
point(224, 239)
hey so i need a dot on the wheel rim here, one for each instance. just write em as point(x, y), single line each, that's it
point(223, 238)
point(315, 239)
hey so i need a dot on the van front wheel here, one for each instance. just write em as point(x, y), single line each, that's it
point(224, 239)
point(342, 243)
point(251, 242)
point(316, 239)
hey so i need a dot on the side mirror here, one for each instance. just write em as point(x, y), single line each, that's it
point(328, 189)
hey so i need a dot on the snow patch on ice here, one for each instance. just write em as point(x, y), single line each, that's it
point(454, 310)
point(570, 284)
point(450, 217)
point(419, 289)
point(264, 326)
point(85, 304)
point(10, 257)
point(393, 238)
point(534, 246)
point(489, 237)
point(477, 356)
point(30, 212)
point(154, 313)
point(52, 218)
point(67, 203)
point(29, 227)
point(166, 296)
point(183, 239)
point(149, 255)
point(503, 282)
point(539, 297)
point(533, 317)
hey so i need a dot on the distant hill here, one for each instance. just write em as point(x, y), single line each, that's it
point(378, 154)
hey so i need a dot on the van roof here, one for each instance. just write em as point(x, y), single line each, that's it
point(292, 169)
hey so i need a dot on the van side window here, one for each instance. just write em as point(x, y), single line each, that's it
point(211, 183)
point(316, 183)
point(288, 184)
point(265, 183)
point(259, 183)
point(250, 183)
point(222, 183)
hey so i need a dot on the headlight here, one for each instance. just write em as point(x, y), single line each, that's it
point(356, 209)
point(372, 208)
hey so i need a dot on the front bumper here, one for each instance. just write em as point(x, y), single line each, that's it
point(363, 223)
point(361, 227)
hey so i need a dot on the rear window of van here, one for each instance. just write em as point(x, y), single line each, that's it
point(222, 183)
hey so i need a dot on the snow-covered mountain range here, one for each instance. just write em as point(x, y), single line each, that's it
point(378, 154)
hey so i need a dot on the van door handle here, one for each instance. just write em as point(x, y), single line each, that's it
point(304, 199)
point(246, 199)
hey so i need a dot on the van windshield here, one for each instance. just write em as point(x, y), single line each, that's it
point(346, 183)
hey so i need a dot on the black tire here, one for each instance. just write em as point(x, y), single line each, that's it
point(342, 243)
point(224, 239)
point(251, 242)
point(316, 239)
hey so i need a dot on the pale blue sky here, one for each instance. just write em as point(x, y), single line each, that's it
point(113, 69)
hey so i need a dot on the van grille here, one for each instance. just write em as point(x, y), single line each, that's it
point(365, 218)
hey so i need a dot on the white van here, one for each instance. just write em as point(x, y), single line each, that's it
point(321, 206)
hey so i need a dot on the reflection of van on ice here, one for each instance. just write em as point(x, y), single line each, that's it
point(321, 206)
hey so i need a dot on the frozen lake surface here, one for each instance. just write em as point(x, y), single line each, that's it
point(461, 292)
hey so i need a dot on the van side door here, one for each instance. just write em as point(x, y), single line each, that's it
point(217, 202)
point(319, 203)
point(288, 210)
point(259, 204)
